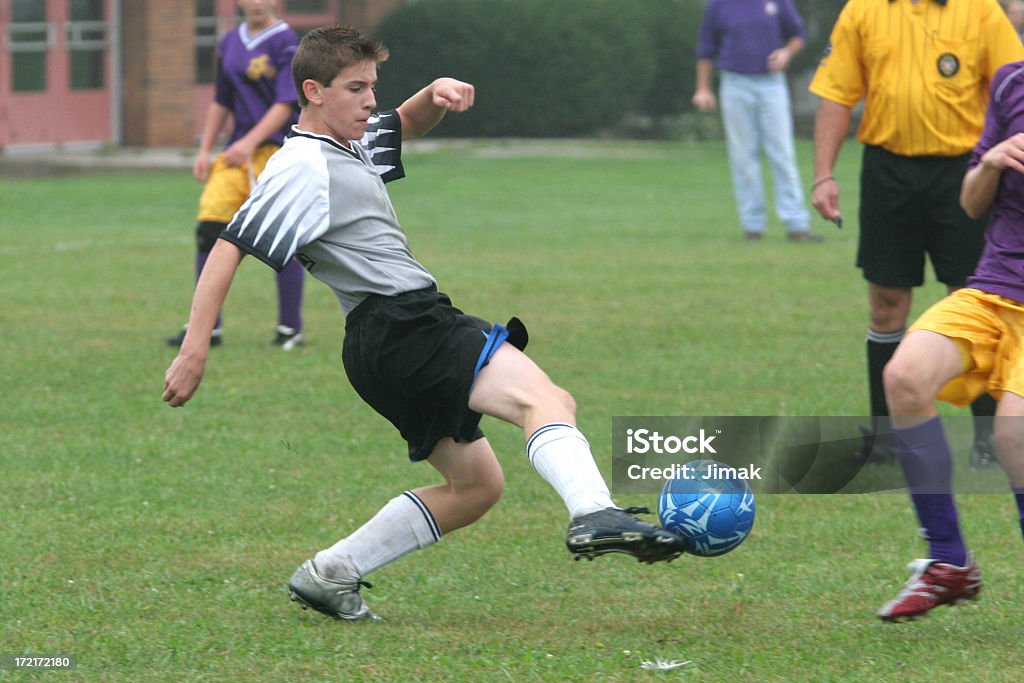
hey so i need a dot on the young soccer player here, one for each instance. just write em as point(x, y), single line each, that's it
point(425, 365)
point(255, 96)
point(969, 343)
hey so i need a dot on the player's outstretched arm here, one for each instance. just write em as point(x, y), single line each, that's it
point(978, 191)
point(424, 110)
point(186, 371)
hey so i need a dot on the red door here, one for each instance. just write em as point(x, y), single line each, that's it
point(56, 72)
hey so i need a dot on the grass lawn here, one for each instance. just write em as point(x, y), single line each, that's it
point(155, 544)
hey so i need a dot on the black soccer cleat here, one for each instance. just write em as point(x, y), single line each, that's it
point(617, 531)
point(287, 338)
point(983, 453)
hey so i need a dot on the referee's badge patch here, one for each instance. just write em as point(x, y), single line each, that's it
point(948, 64)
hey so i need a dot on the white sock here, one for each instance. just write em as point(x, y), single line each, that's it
point(404, 524)
point(561, 454)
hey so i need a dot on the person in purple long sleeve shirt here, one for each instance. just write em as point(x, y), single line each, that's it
point(969, 343)
point(752, 43)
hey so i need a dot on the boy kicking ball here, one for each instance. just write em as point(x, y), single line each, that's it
point(426, 366)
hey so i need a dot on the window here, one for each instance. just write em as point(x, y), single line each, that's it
point(205, 42)
point(29, 38)
point(86, 39)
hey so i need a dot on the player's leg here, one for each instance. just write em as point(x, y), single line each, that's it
point(513, 388)
point(291, 279)
point(330, 582)
point(889, 308)
point(743, 140)
point(924, 363)
point(891, 255)
point(473, 483)
point(1009, 438)
point(290, 283)
point(777, 127)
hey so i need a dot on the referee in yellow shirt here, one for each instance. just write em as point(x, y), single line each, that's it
point(923, 69)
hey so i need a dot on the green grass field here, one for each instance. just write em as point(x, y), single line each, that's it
point(155, 544)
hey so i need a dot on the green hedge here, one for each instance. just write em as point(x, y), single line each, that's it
point(545, 68)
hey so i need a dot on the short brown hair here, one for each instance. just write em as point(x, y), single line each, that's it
point(326, 50)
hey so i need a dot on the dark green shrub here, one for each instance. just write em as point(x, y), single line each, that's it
point(542, 68)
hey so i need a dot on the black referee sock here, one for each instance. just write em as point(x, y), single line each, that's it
point(881, 347)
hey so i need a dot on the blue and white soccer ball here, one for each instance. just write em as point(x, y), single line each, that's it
point(714, 513)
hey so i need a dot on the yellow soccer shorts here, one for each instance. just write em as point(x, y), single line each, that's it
point(227, 187)
point(989, 331)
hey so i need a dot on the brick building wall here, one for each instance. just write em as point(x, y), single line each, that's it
point(157, 38)
point(159, 102)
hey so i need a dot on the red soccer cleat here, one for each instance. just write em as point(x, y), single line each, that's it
point(931, 584)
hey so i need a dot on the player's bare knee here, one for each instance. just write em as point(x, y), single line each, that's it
point(904, 391)
point(888, 310)
point(566, 400)
point(547, 404)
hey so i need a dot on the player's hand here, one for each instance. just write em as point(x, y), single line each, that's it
point(201, 167)
point(825, 198)
point(182, 379)
point(452, 95)
point(1007, 154)
point(705, 101)
point(238, 153)
point(778, 60)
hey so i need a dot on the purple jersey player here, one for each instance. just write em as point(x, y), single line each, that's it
point(254, 73)
point(966, 344)
point(255, 94)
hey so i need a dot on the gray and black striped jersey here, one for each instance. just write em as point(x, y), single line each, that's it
point(326, 205)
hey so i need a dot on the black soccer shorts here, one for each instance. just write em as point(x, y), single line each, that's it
point(910, 209)
point(413, 359)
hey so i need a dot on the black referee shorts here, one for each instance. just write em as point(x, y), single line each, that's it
point(412, 358)
point(910, 208)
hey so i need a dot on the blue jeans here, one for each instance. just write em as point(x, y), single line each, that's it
point(756, 113)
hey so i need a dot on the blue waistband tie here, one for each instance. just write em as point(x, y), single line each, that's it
point(495, 338)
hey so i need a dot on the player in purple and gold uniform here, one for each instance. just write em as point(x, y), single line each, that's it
point(255, 92)
point(969, 343)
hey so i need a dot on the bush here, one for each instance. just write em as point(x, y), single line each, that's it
point(541, 68)
point(674, 26)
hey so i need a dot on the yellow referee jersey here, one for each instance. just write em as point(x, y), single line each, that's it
point(924, 68)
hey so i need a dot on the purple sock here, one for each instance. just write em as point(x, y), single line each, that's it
point(1018, 494)
point(201, 257)
point(928, 467)
point(289, 295)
